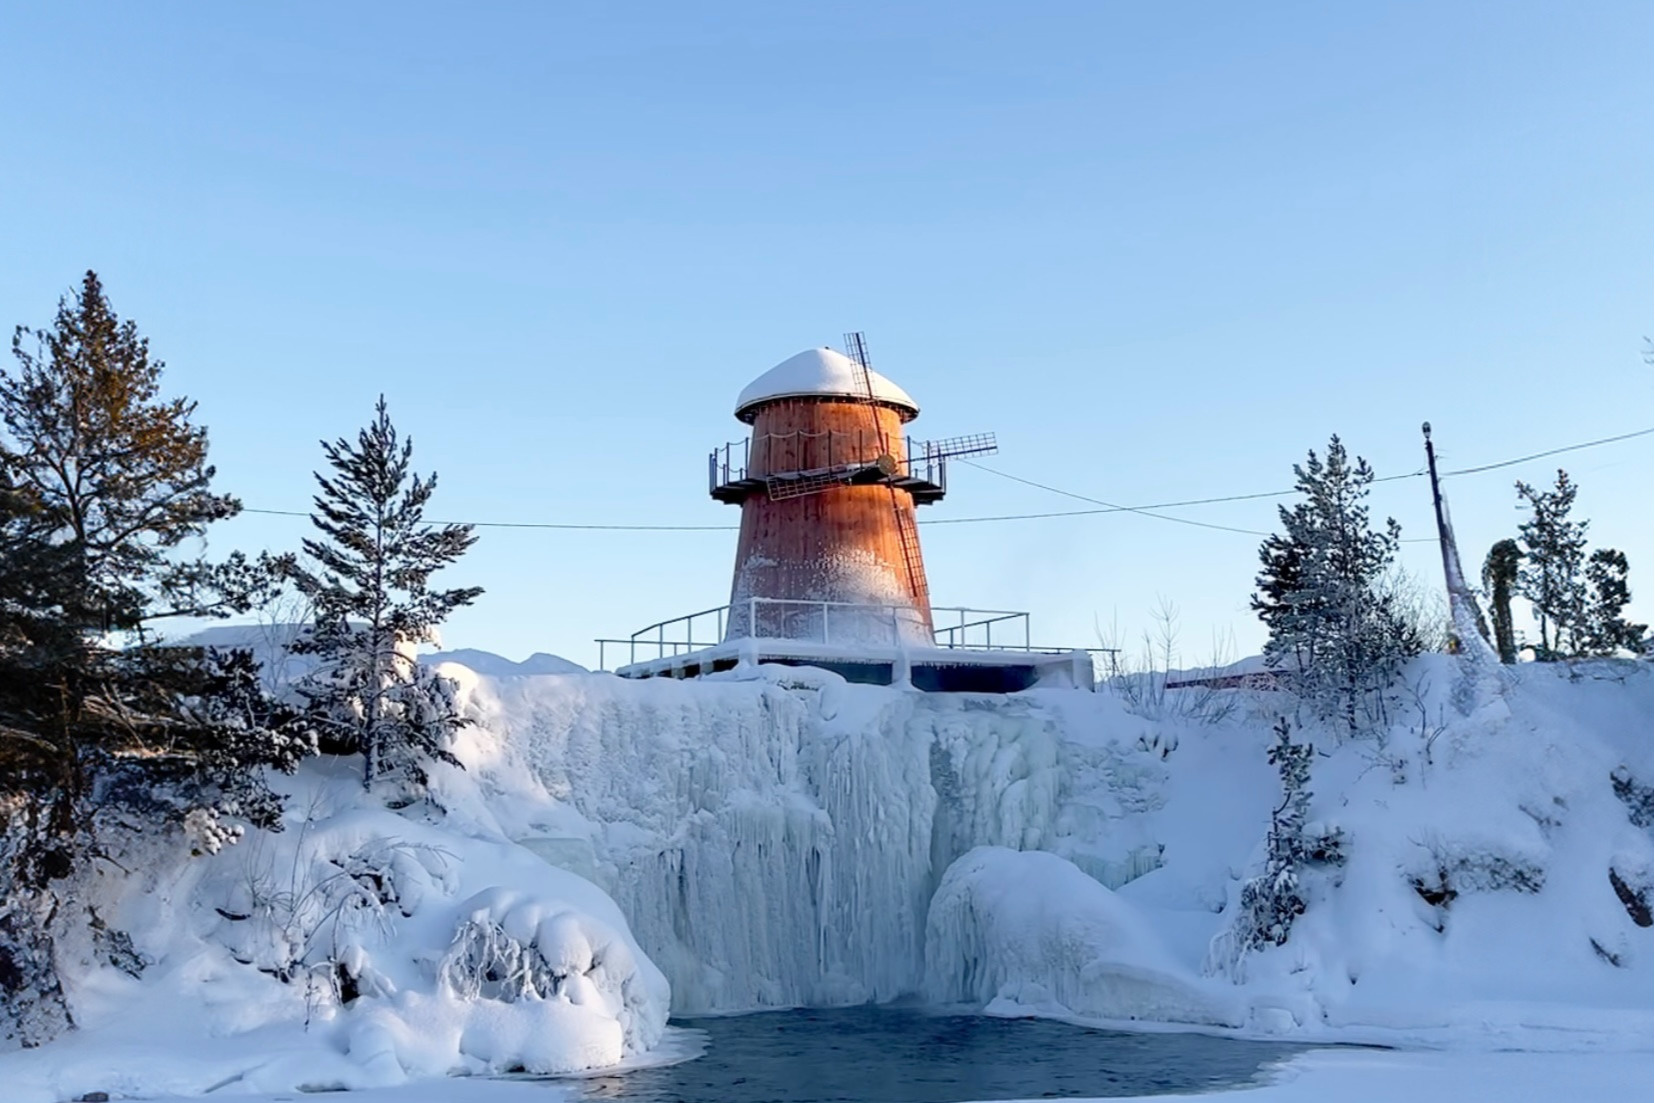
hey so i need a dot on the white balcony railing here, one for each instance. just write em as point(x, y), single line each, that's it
point(829, 623)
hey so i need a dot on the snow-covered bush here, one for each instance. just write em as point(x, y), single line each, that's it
point(532, 981)
point(512, 947)
point(308, 921)
point(1450, 868)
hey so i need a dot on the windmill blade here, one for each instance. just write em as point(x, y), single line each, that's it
point(856, 350)
point(974, 444)
point(797, 484)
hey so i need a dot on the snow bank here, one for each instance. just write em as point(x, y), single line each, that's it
point(357, 948)
point(1478, 895)
point(1028, 931)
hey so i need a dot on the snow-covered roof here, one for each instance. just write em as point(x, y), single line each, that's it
point(824, 373)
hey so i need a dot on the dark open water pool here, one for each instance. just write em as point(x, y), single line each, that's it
point(913, 1055)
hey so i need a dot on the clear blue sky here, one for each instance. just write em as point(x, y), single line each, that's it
point(1161, 249)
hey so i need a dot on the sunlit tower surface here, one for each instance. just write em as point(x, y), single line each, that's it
point(828, 485)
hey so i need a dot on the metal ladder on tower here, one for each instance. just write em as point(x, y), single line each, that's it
point(908, 536)
point(856, 347)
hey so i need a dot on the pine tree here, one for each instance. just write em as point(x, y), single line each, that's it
point(1605, 631)
point(370, 588)
point(1500, 579)
point(1555, 550)
point(1336, 638)
point(1274, 898)
point(101, 483)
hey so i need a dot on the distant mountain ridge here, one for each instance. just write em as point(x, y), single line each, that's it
point(269, 641)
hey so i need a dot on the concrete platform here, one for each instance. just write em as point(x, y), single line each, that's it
point(929, 669)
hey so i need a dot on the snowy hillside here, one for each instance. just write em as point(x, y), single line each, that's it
point(779, 837)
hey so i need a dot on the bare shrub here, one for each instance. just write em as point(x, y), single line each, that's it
point(1147, 677)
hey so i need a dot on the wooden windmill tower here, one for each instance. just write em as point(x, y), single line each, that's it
point(828, 484)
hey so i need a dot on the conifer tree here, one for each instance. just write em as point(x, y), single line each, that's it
point(1500, 579)
point(1555, 551)
point(1273, 898)
point(1336, 637)
point(370, 588)
point(101, 483)
point(1606, 630)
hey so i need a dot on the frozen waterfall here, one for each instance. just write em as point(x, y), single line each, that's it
point(777, 843)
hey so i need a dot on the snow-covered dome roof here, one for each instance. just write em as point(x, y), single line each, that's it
point(824, 373)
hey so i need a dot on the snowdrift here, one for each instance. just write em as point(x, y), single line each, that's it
point(1021, 931)
point(357, 948)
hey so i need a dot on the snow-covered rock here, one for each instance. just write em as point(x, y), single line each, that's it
point(1029, 932)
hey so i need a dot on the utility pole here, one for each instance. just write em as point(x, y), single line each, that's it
point(1470, 629)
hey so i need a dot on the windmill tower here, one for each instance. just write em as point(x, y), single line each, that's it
point(828, 485)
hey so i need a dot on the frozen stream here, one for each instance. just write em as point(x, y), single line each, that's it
point(912, 1055)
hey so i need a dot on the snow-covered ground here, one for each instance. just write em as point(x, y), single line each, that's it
point(777, 837)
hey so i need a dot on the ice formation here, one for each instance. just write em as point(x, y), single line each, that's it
point(1028, 931)
point(776, 846)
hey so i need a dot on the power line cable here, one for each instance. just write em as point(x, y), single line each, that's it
point(1551, 452)
point(1103, 507)
point(536, 524)
point(1110, 508)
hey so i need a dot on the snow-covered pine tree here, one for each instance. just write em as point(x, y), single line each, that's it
point(1555, 551)
point(1500, 580)
point(370, 589)
point(1605, 630)
point(1336, 638)
point(101, 482)
point(1272, 899)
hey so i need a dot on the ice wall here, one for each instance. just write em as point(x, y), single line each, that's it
point(775, 845)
